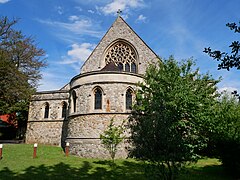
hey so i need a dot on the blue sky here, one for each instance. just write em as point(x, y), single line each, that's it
point(68, 30)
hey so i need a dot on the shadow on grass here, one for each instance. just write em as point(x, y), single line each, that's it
point(105, 169)
point(95, 170)
point(211, 172)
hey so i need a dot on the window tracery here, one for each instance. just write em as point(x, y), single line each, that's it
point(127, 67)
point(120, 67)
point(123, 56)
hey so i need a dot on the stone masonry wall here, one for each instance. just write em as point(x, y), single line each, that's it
point(114, 93)
point(37, 105)
point(45, 133)
point(119, 30)
point(46, 130)
point(84, 135)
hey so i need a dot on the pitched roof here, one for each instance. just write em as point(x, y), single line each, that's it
point(110, 67)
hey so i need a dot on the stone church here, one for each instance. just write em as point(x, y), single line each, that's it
point(105, 88)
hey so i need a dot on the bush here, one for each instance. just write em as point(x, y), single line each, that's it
point(228, 150)
point(224, 133)
point(112, 137)
point(7, 133)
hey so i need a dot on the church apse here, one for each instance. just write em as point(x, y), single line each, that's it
point(104, 89)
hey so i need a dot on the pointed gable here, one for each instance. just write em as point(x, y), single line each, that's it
point(119, 35)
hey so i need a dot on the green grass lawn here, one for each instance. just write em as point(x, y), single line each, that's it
point(51, 163)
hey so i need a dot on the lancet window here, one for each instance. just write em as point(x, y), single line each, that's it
point(64, 109)
point(74, 99)
point(127, 67)
point(133, 68)
point(97, 98)
point(46, 110)
point(129, 98)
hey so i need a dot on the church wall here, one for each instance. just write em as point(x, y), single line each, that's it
point(119, 30)
point(84, 135)
point(86, 124)
point(46, 130)
point(113, 92)
point(106, 77)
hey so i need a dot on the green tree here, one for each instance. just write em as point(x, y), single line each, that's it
point(172, 105)
point(112, 137)
point(227, 60)
point(20, 63)
point(224, 133)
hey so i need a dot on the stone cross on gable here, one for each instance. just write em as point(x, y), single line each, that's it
point(119, 12)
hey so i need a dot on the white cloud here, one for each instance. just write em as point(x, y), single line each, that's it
point(73, 18)
point(81, 51)
point(78, 8)
point(4, 1)
point(91, 11)
point(77, 55)
point(123, 5)
point(141, 18)
point(51, 81)
point(228, 89)
point(59, 9)
point(124, 16)
point(77, 25)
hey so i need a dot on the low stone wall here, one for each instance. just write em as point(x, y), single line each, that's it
point(45, 132)
point(84, 135)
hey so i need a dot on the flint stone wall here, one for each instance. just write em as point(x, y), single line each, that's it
point(119, 30)
point(114, 93)
point(55, 100)
point(46, 130)
point(84, 135)
point(50, 133)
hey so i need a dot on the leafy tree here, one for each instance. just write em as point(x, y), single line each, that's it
point(22, 51)
point(224, 133)
point(227, 60)
point(20, 63)
point(172, 105)
point(112, 137)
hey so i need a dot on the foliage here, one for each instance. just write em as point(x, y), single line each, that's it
point(20, 63)
point(172, 104)
point(112, 137)
point(51, 163)
point(21, 51)
point(225, 132)
point(227, 60)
